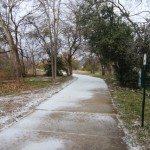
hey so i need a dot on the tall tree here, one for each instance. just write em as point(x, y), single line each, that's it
point(72, 35)
point(10, 25)
point(110, 38)
point(52, 12)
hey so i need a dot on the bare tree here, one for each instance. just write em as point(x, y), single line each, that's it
point(10, 24)
point(72, 34)
point(52, 11)
point(40, 33)
point(32, 51)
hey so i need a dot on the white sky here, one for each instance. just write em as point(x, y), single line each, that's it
point(135, 6)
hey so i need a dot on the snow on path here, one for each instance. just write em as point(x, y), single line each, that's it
point(74, 93)
point(72, 119)
point(25, 103)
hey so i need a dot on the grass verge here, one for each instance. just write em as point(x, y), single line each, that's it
point(9, 88)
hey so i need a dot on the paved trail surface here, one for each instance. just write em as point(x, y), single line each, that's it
point(80, 117)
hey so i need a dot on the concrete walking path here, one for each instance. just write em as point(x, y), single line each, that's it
point(80, 117)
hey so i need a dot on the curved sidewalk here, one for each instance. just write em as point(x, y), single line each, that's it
point(80, 117)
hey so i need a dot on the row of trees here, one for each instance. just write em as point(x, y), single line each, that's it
point(54, 32)
point(39, 30)
point(115, 39)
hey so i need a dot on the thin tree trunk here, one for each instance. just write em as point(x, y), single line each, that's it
point(70, 66)
point(52, 64)
point(103, 69)
point(33, 65)
point(55, 65)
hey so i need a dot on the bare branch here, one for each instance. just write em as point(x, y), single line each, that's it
point(3, 52)
point(139, 13)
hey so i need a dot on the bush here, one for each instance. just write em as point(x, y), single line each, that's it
point(60, 67)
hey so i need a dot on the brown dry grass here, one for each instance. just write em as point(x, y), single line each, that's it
point(5, 75)
point(32, 83)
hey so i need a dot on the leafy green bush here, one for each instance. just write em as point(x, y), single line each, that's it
point(60, 67)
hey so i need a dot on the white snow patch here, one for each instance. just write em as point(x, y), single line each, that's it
point(30, 101)
point(3, 119)
point(53, 105)
point(82, 91)
point(104, 118)
point(53, 144)
point(129, 139)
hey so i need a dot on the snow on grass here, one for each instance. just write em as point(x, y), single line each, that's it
point(14, 107)
point(129, 138)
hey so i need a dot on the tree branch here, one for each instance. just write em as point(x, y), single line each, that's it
point(5, 52)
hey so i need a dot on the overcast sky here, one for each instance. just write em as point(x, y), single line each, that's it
point(135, 6)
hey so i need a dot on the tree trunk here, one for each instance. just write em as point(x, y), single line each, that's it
point(55, 64)
point(70, 70)
point(70, 66)
point(27, 64)
point(103, 70)
point(109, 69)
point(17, 64)
point(23, 64)
point(33, 65)
point(14, 49)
